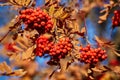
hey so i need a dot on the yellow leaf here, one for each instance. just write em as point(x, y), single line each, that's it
point(54, 24)
point(64, 16)
point(51, 10)
point(20, 2)
point(58, 12)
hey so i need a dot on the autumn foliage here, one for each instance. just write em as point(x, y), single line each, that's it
point(58, 35)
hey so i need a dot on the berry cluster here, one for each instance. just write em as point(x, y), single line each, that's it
point(10, 47)
point(115, 19)
point(43, 45)
point(36, 19)
point(55, 50)
point(92, 56)
point(61, 48)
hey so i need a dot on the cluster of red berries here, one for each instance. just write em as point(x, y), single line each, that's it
point(92, 56)
point(43, 45)
point(10, 47)
point(116, 18)
point(60, 49)
point(36, 19)
point(55, 50)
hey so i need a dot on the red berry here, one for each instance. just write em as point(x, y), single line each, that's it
point(115, 12)
point(92, 56)
point(36, 18)
point(31, 18)
point(35, 24)
point(23, 11)
point(42, 23)
point(64, 51)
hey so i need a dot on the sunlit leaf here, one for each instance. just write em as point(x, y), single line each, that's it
point(51, 10)
point(58, 12)
point(28, 53)
point(5, 68)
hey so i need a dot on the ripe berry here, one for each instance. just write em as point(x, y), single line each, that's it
point(92, 56)
point(36, 19)
point(42, 46)
point(61, 48)
point(115, 19)
point(42, 23)
point(10, 47)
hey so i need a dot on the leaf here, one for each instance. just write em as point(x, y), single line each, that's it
point(51, 10)
point(28, 53)
point(63, 64)
point(98, 40)
point(64, 16)
point(19, 72)
point(76, 26)
point(83, 30)
point(5, 68)
point(21, 2)
point(58, 12)
point(54, 25)
point(99, 69)
point(108, 8)
point(103, 17)
point(116, 52)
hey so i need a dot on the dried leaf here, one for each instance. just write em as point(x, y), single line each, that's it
point(21, 2)
point(63, 64)
point(76, 26)
point(28, 53)
point(19, 72)
point(115, 52)
point(5, 68)
point(98, 40)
